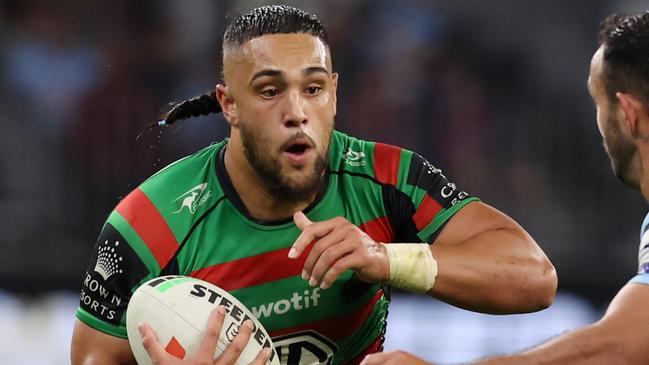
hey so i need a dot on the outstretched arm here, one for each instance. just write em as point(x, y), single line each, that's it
point(620, 337)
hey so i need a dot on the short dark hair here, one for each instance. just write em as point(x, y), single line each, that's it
point(625, 39)
point(272, 19)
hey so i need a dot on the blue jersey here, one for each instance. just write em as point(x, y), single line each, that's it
point(643, 255)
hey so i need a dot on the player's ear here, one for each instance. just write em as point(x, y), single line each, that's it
point(631, 109)
point(228, 105)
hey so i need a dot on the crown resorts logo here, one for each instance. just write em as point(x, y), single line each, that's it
point(108, 260)
point(192, 199)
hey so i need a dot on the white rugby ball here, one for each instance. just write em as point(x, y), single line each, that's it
point(178, 308)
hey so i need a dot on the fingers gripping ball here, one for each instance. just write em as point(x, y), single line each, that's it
point(178, 309)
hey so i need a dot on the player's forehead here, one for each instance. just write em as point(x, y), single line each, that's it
point(288, 53)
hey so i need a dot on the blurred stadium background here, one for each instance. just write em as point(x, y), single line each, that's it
point(491, 91)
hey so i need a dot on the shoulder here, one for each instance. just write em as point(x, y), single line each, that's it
point(187, 179)
point(186, 167)
point(382, 162)
point(164, 207)
point(645, 226)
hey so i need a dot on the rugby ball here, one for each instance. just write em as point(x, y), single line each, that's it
point(178, 308)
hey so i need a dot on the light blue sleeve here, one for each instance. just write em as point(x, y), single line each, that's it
point(643, 255)
point(640, 279)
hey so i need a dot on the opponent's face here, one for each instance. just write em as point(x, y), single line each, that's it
point(283, 94)
point(619, 147)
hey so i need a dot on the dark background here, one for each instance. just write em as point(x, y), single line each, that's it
point(493, 92)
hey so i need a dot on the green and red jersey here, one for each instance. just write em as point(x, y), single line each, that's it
point(188, 220)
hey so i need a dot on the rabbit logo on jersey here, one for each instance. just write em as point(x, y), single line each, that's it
point(354, 158)
point(192, 199)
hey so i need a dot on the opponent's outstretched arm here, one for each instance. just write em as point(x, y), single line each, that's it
point(484, 260)
point(620, 337)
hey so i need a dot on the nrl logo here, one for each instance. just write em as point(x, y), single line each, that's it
point(192, 199)
point(353, 158)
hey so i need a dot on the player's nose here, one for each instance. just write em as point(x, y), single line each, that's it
point(294, 110)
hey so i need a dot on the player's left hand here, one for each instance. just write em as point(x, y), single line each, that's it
point(340, 246)
point(393, 358)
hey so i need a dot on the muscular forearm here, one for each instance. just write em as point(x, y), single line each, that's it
point(591, 345)
point(620, 337)
point(495, 271)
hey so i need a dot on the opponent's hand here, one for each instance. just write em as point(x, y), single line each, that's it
point(205, 352)
point(393, 358)
point(340, 246)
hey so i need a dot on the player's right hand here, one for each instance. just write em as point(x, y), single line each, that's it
point(204, 354)
point(339, 246)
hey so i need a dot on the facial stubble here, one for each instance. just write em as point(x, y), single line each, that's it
point(620, 151)
point(257, 151)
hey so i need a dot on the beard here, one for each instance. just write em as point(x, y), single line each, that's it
point(621, 152)
point(258, 152)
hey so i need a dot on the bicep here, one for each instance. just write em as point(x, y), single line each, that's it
point(475, 218)
point(92, 347)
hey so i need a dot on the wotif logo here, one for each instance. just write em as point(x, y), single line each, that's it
point(296, 302)
point(353, 158)
point(108, 260)
point(193, 198)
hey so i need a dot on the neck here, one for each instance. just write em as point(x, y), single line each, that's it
point(640, 170)
point(643, 184)
point(252, 190)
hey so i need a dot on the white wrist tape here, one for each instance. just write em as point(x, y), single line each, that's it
point(412, 266)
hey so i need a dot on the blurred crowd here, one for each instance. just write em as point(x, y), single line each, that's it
point(493, 93)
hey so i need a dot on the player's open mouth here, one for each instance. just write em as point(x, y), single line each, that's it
point(297, 151)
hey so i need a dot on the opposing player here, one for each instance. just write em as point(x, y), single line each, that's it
point(301, 223)
point(619, 86)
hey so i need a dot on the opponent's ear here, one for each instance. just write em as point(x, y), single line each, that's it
point(631, 108)
point(228, 105)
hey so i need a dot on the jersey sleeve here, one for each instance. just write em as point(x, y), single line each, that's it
point(422, 199)
point(120, 262)
point(642, 277)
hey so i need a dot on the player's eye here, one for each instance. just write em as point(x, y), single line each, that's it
point(270, 92)
point(313, 90)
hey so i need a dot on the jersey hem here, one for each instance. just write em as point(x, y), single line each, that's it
point(100, 325)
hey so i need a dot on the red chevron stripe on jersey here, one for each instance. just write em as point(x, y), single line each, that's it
point(386, 163)
point(254, 270)
point(426, 212)
point(379, 229)
point(143, 216)
point(275, 265)
point(331, 327)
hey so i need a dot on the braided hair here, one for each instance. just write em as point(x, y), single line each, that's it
point(271, 19)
